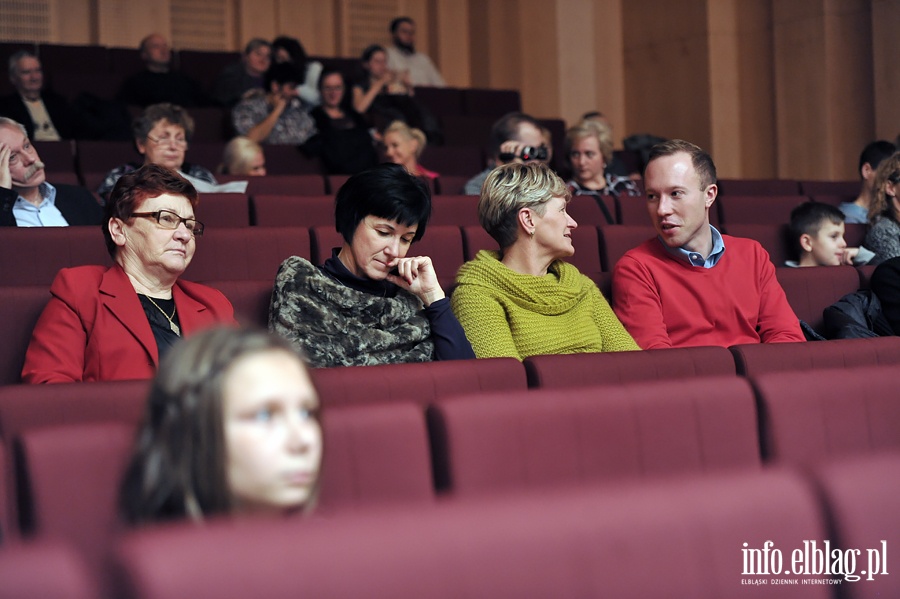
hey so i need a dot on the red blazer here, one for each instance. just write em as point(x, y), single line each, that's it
point(94, 327)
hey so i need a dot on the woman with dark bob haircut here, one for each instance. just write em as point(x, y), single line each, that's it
point(370, 303)
point(231, 427)
point(115, 323)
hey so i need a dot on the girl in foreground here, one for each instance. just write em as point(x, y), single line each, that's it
point(231, 428)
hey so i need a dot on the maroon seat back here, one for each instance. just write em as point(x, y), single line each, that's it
point(847, 189)
point(861, 499)
point(453, 160)
point(21, 307)
point(810, 290)
point(223, 210)
point(632, 211)
point(490, 102)
point(293, 210)
point(775, 239)
point(456, 210)
point(33, 255)
point(758, 358)
point(582, 370)
point(71, 475)
point(250, 298)
point(46, 570)
point(284, 159)
point(476, 239)
point(422, 382)
point(440, 100)
point(589, 543)
point(272, 184)
point(616, 241)
point(586, 210)
point(58, 156)
point(24, 408)
point(454, 184)
point(758, 187)
point(818, 415)
point(506, 442)
point(375, 455)
point(757, 209)
point(243, 253)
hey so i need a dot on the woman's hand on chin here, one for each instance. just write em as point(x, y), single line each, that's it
point(416, 275)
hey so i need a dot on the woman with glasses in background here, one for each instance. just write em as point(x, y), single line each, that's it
point(115, 323)
point(161, 135)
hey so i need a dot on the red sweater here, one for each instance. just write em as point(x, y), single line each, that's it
point(665, 302)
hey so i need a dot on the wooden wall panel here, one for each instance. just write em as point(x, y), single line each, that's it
point(125, 24)
point(313, 22)
point(886, 75)
point(667, 78)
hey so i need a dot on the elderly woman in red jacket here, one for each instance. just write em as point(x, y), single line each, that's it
point(115, 323)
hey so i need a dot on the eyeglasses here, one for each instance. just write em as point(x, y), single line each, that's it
point(169, 220)
point(178, 142)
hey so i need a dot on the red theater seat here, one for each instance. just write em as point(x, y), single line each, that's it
point(508, 442)
point(45, 570)
point(33, 255)
point(423, 382)
point(775, 239)
point(222, 210)
point(820, 415)
point(21, 307)
point(242, 253)
point(616, 241)
point(581, 370)
point(293, 210)
point(757, 358)
point(758, 187)
point(587, 212)
point(476, 239)
point(375, 455)
point(847, 189)
point(25, 408)
point(678, 539)
point(757, 209)
point(72, 475)
point(810, 290)
point(250, 298)
point(861, 498)
point(456, 210)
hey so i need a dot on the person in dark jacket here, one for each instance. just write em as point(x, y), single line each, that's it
point(46, 115)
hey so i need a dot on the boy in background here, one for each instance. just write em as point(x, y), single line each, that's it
point(817, 233)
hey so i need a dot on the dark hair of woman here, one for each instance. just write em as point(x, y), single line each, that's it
point(386, 191)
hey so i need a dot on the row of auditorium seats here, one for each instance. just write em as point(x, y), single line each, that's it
point(66, 445)
point(673, 538)
point(242, 264)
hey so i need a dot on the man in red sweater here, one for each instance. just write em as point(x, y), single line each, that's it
point(692, 285)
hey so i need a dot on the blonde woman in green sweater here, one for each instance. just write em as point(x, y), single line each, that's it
point(524, 300)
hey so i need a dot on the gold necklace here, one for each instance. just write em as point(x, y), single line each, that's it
point(172, 325)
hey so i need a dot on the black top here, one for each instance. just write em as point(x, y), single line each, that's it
point(450, 342)
point(159, 324)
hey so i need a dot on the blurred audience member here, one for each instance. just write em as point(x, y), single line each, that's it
point(237, 79)
point(404, 145)
point(857, 211)
point(249, 398)
point(589, 147)
point(161, 135)
point(343, 142)
point(614, 165)
point(515, 137)
point(243, 156)
point(46, 115)
point(289, 49)
point(26, 198)
point(158, 82)
point(817, 237)
point(279, 116)
point(403, 58)
point(883, 237)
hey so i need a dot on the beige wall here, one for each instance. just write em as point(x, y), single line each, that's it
point(774, 88)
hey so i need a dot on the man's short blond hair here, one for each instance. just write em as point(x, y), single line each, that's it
point(511, 187)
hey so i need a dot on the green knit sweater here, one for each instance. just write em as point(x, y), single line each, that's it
point(505, 313)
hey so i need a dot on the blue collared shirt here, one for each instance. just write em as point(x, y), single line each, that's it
point(45, 215)
point(695, 258)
